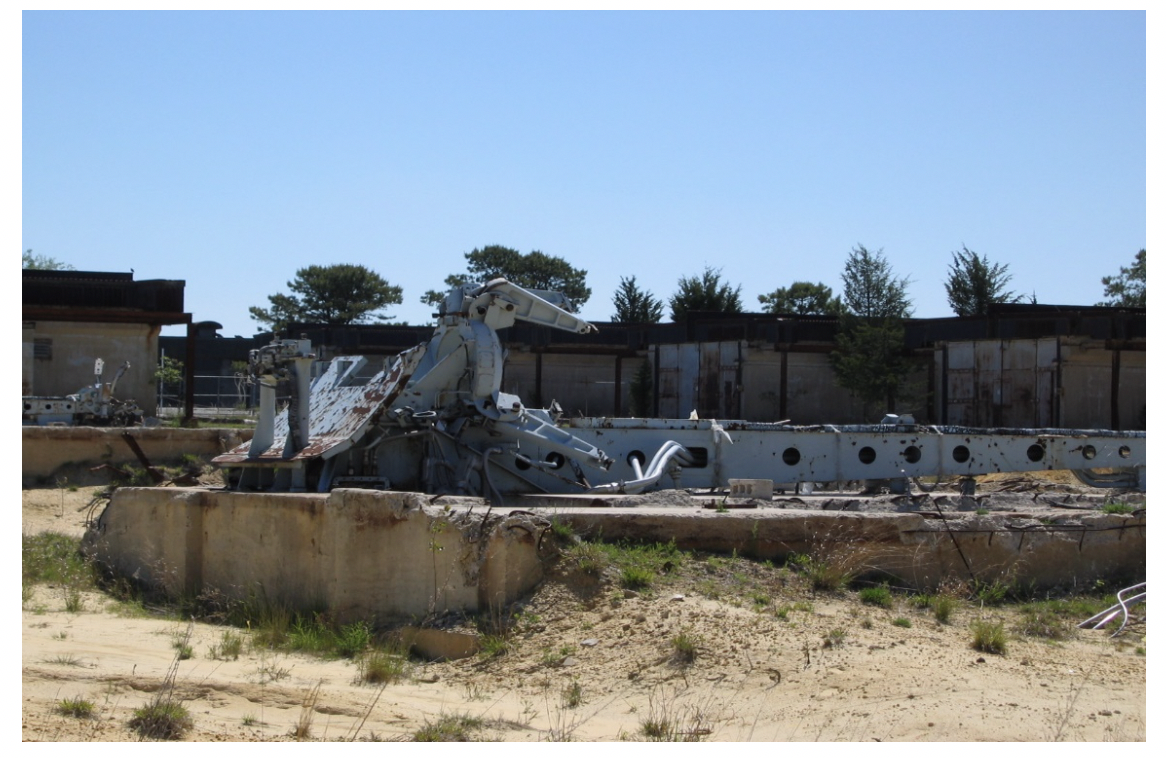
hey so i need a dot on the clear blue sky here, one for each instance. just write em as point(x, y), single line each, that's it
point(230, 149)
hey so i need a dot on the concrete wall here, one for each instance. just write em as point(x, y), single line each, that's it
point(75, 346)
point(1074, 550)
point(358, 554)
point(48, 452)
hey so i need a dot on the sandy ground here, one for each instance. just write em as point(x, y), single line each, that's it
point(589, 664)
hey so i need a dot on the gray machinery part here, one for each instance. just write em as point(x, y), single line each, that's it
point(436, 420)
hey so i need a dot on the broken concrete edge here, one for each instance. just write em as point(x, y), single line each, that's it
point(397, 558)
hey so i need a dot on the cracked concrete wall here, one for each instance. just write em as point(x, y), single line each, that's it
point(359, 554)
point(920, 551)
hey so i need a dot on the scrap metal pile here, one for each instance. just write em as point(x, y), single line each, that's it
point(436, 421)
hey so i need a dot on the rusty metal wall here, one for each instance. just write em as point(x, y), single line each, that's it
point(678, 372)
point(580, 384)
point(1047, 382)
point(808, 395)
point(999, 383)
point(982, 383)
point(1102, 388)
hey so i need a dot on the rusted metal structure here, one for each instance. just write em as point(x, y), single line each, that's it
point(436, 421)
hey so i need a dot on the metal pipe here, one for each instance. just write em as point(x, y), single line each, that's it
point(669, 450)
point(1123, 607)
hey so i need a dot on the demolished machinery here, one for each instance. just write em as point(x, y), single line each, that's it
point(91, 405)
point(436, 421)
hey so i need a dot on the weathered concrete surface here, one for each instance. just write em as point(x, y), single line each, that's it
point(49, 450)
point(363, 554)
point(360, 554)
point(920, 550)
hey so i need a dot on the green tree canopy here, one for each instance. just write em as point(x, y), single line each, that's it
point(335, 295)
point(635, 306)
point(43, 262)
point(870, 288)
point(870, 358)
point(1127, 289)
point(973, 283)
point(535, 271)
point(704, 293)
point(870, 361)
point(803, 299)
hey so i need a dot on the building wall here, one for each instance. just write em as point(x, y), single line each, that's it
point(808, 395)
point(580, 384)
point(1063, 382)
point(58, 358)
point(989, 383)
point(1088, 376)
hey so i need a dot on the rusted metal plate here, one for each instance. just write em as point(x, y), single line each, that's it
point(340, 417)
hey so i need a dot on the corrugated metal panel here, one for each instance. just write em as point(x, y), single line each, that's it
point(668, 381)
point(339, 418)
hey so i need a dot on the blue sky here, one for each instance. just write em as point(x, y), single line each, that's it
point(230, 149)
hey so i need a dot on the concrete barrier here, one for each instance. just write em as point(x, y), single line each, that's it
point(359, 554)
point(392, 556)
point(50, 452)
point(919, 551)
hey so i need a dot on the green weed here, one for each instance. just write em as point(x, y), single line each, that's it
point(836, 637)
point(942, 607)
point(1042, 620)
point(572, 694)
point(636, 577)
point(162, 720)
point(991, 593)
point(353, 639)
point(228, 648)
point(493, 645)
point(384, 665)
point(880, 596)
point(685, 646)
point(823, 573)
point(989, 637)
point(449, 728)
point(77, 707)
point(588, 558)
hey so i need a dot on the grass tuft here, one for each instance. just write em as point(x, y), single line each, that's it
point(77, 707)
point(942, 606)
point(383, 666)
point(880, 596)
point(836, 637)
point(572, 694)
point(449, 728)
point(685, 646)
point(989, 637)
point(1042, 620)
point(228, 648)
point(161, 719)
